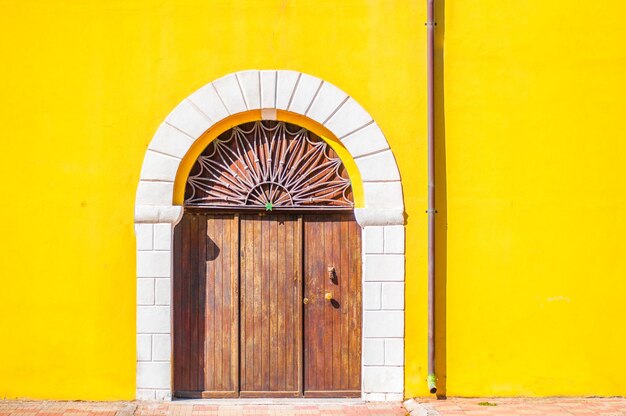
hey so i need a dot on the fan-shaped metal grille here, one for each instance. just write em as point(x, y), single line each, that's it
point(269, 164)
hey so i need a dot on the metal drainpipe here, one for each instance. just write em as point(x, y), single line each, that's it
point(430, 25)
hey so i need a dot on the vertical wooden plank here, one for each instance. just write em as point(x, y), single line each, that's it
point(201, 294)
point(218, 279)
point(320, 305)
point(281, 300)
point(327, 307)
point(227, 315)
point(257, 308)
point(178, 351)
point(243, 293)
point(346, 304)
point(299, 336)
point(290, 306)
point(265, 303)
point(271, 253)
point(209, 277)
point(187, 275)
point(335, 287)
point(317, 320)
point(234, 334)
point(192, 297)
point(308, 357)
point(249, 303)
point(183, 329)
point(226, 300)
point(314, 310)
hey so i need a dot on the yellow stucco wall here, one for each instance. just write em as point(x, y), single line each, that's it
point(535, 104)
point(535, 187)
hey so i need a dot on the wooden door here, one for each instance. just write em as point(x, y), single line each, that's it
point(205, 319)
point(246, 323)
point(271, 302)
point(332, 313)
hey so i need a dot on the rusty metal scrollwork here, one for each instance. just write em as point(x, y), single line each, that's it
point(267, 165)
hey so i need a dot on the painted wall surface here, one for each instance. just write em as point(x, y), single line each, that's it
point(535, 105)
point(532, 187)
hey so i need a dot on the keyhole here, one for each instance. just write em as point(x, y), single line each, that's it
point(332, 274)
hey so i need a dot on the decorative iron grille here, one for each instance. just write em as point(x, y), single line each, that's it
point(267, 165)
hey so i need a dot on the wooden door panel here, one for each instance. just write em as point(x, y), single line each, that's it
point(205, 305)
point(222, 306)
point(270, 275)
point(332, 328)
point(187, 330)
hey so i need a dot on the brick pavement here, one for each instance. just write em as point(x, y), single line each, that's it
point(449, 407)
point(527, 407)
point(48, 408)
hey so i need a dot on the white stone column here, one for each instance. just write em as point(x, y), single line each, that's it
point(154, 340)
point(383, 313)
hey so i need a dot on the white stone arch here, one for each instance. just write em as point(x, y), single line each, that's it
point(382, 217)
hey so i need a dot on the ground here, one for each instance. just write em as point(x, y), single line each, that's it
point(528, 407)
point(449, 407)
point(43, 408)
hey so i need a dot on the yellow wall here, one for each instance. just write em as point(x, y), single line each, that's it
point(535, 105)
point(535, 192)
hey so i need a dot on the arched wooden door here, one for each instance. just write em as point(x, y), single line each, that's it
point(267, 270)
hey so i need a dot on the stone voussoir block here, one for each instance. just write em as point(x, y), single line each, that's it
point(230, 93)
point(209, 102)
point(305, 91)
point(285, 85)
point(328, 100)
point(378, 167)
point(349, 118)
point(367, 140)
point(170, 141)
point(188, 118)
point(159, 167)
point(250, 83)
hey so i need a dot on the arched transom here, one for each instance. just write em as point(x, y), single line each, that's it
point(269, 165)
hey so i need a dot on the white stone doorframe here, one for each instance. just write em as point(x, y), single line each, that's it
point(382, 218)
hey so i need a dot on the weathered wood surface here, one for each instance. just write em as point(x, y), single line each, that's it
point(332, 327)
point(240, 326)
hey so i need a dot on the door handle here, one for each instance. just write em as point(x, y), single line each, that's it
point(328, 296)
point(305, 301)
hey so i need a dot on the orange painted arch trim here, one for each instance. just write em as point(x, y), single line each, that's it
point(253, 115)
